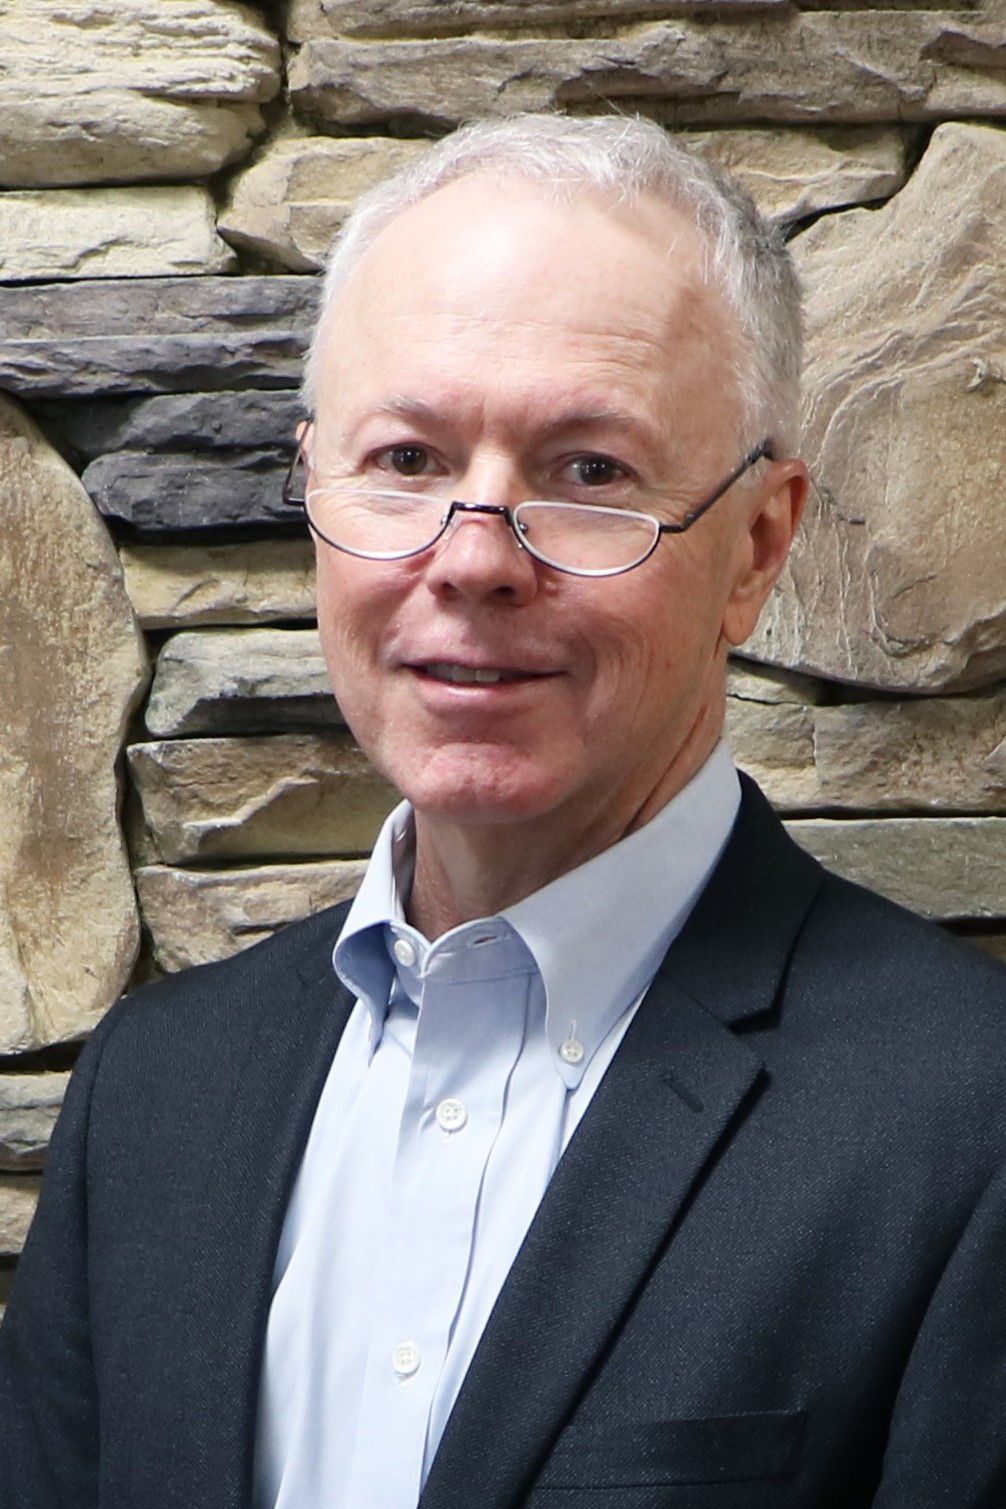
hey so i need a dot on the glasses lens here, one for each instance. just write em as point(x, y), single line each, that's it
point(382, 526)
point(592, 540)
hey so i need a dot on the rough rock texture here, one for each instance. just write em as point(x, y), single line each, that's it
point(242, 420)
point(942, 867)
point(241, 681)
point(288, 205)
point(858, 68)
point(380, 18)
point(898, 580)
point(180, 586)
point(791, 174)
point(113, 233)
point(195, 916)
point(71, 668)
point(154, 335)
point(169, 493)
point(138, 90)
point(255, 799)
point(18, 1198)
point(931, 755)
point(29, 1105)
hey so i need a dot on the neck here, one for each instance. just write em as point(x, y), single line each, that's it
point(478, 870)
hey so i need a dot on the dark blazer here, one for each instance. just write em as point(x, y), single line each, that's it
point(769, 1272)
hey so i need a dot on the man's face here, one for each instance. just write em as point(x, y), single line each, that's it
point(510, 348)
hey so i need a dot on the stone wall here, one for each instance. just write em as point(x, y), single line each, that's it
point(170, 175)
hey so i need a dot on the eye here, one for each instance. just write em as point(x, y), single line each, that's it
point(596, 471)
point(408, 460)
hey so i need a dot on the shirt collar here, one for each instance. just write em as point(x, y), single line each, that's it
point(597, 934)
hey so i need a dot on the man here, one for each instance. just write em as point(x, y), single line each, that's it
point(624, 1158)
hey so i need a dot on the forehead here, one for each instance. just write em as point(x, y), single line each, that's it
point(503, 282)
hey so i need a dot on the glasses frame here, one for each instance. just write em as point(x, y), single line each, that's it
point(297, 497)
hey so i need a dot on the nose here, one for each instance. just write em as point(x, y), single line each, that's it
point(480, 558)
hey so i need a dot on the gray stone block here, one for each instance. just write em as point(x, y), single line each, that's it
point(248, 419)
point(168, 493)
point(239, 681)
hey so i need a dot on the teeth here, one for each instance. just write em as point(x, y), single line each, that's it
point(464, 675)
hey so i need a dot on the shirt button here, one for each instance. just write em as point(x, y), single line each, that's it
point(406, 1358)
point(451, 1115)
point(404, 952)
point(571, 1051)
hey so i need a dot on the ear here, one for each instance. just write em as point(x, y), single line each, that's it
point(774, 515)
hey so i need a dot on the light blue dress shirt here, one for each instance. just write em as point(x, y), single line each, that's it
point(462, 1073)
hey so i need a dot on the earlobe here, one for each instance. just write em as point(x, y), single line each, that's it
point(771, 528)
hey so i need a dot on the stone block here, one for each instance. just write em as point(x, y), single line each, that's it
point(991, 943)
point(942, 867)
point(139, 90)
point(182, 586)
point(897, 579)
point(154, 335)
point(72, 667)
point(285, 796)
point(196, 916)
point(791, 174)
point(18, 1198)
point(289, 204)
point(140, 232)
point(167, 493)
point(29, 1105)
point(241, 681)
point(308, 19)
point(249, 419)
point(866, 67)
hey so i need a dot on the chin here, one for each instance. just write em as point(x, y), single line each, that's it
point(477, 792)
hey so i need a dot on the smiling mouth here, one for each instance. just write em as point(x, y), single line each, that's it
point(472, 675)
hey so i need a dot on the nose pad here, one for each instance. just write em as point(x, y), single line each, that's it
point(481, 562)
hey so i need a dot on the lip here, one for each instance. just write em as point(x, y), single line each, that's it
point(468, 676)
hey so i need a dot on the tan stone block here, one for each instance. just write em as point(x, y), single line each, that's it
point(138, 232)
point(791, 174)
point(72, 666)
point(289, 204)
point(241, 681)
point(18, 1198)
point(139, 90)
point(307, 19)
point(942, 867)
point(897, 578)
point(259, 798)
point(866, 67)
point(29, 1105)
point(182, 586)
point(196, 916)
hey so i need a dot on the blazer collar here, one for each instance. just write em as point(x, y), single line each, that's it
point(672, 1092)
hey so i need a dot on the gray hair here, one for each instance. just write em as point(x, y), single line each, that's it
point(624, 157)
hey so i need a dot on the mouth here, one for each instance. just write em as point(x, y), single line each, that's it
point(473, 675)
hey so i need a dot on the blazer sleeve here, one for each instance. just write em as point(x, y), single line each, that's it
point(48, 1395)
point(947, 1443)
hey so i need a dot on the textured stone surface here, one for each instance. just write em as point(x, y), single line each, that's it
point(109, 233)
point(285, 796)
point(939, 866)
point(240, 681)
point(29, 1105)
point(791, 173)
point(379, 18)
point(18, 1198)
point(195, 916)
point(99, 93)
point(288, 205)
point(928, 755)
point(181, 586)
point(175, 493)
point(71, 668)
point(857, 68)
point(243, 420)
point(898, 580)
point(154, 335)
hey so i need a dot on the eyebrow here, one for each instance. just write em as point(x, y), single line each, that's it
point(578, 419)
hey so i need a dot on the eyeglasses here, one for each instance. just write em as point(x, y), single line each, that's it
point(583, 539)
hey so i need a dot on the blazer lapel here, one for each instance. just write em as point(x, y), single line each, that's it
point(668, 1099)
